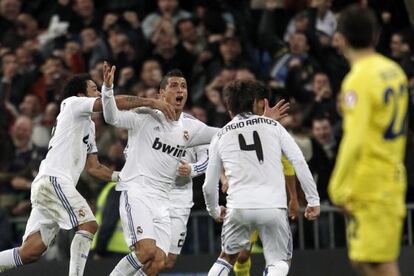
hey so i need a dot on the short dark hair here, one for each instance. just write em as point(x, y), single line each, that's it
point(75, 85)
point(359, 26)
point(240, 95)
point(172, 73)
point(182, 20)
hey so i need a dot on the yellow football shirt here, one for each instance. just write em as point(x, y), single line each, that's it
point(374, 103)
point(288, 169)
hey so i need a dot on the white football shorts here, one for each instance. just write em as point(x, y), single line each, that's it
point(179, 218)
point(273, 227)
point(55, 204)
point(145, 218)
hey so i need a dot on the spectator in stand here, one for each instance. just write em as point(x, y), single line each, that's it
point(30, 107)
point(80, 14)
point(9, 11)
point(297, 59)
point(168, 11)
point(149, 77)
point(122, 53)
point(324, 149)
point(23, 167)
point(230, 55)
point(320, 100)
point(48, 85)
point(94, 48)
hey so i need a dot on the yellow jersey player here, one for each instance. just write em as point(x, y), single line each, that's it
point(369, 180)
point(243, 264)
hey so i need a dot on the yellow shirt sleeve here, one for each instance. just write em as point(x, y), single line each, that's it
point(288, 169)
point(356, 105)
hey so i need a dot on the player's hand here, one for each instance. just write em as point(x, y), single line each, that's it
point(108, 74)
point(223, 211)
point(312, 213)
point(184, 169)
point(293, 209)
point(277, 112)
point(165, 108)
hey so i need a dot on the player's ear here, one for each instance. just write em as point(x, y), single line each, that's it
point(161, 94)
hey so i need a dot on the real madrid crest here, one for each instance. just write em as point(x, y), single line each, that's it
point(186, 136)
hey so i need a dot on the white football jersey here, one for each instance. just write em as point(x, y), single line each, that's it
point(250, 149)
point(181, 195)
point(73, 137)
point(155, 145)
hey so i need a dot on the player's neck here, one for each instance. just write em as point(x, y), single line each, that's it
point(178, 114)
point(356, 55)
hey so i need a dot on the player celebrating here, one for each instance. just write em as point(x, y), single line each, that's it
point(250, 150)
point(55, 201)
point(155, 148)
point(369, 179)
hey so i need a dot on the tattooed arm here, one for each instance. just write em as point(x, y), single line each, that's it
point(124, 102)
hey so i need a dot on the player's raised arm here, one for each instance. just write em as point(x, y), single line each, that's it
point(110, 104)
point(295, 156)
point(211, 183)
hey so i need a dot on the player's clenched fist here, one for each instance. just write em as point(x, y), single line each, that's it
point(184, 169)
point(312, 213)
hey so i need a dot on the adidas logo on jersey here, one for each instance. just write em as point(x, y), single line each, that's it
point(177, 151)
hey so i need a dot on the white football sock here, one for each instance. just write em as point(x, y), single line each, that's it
point(278, 269)
point(79, 251)
point(128, 266)
point(10, 259)
point(220, 268)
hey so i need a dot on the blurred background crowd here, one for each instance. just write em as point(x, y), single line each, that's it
point(291, 45)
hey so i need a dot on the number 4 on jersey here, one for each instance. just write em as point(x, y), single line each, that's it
point(256, 146)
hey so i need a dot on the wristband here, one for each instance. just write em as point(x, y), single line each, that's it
point(115, 176)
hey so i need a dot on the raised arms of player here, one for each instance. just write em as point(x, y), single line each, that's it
point(295, 156)
point(211, 183)
point(195, 169)
point(109, 105)
point(357, 110)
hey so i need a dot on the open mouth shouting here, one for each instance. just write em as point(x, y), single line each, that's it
point(179, 100)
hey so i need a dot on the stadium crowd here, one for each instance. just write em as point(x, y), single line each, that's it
point(290, 45)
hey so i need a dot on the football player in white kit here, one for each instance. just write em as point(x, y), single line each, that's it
point(55, 201)
point(155, 148)
point(249, 148)
point(193, 164)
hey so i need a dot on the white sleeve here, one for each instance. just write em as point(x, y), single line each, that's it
point(92, 148)
point(211, 183)
point(295, 156)
point(82, 106)
point(202, 161)
point(112, 115)
point(202, 135)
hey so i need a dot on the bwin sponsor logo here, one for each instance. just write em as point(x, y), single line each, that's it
point(177, 151)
